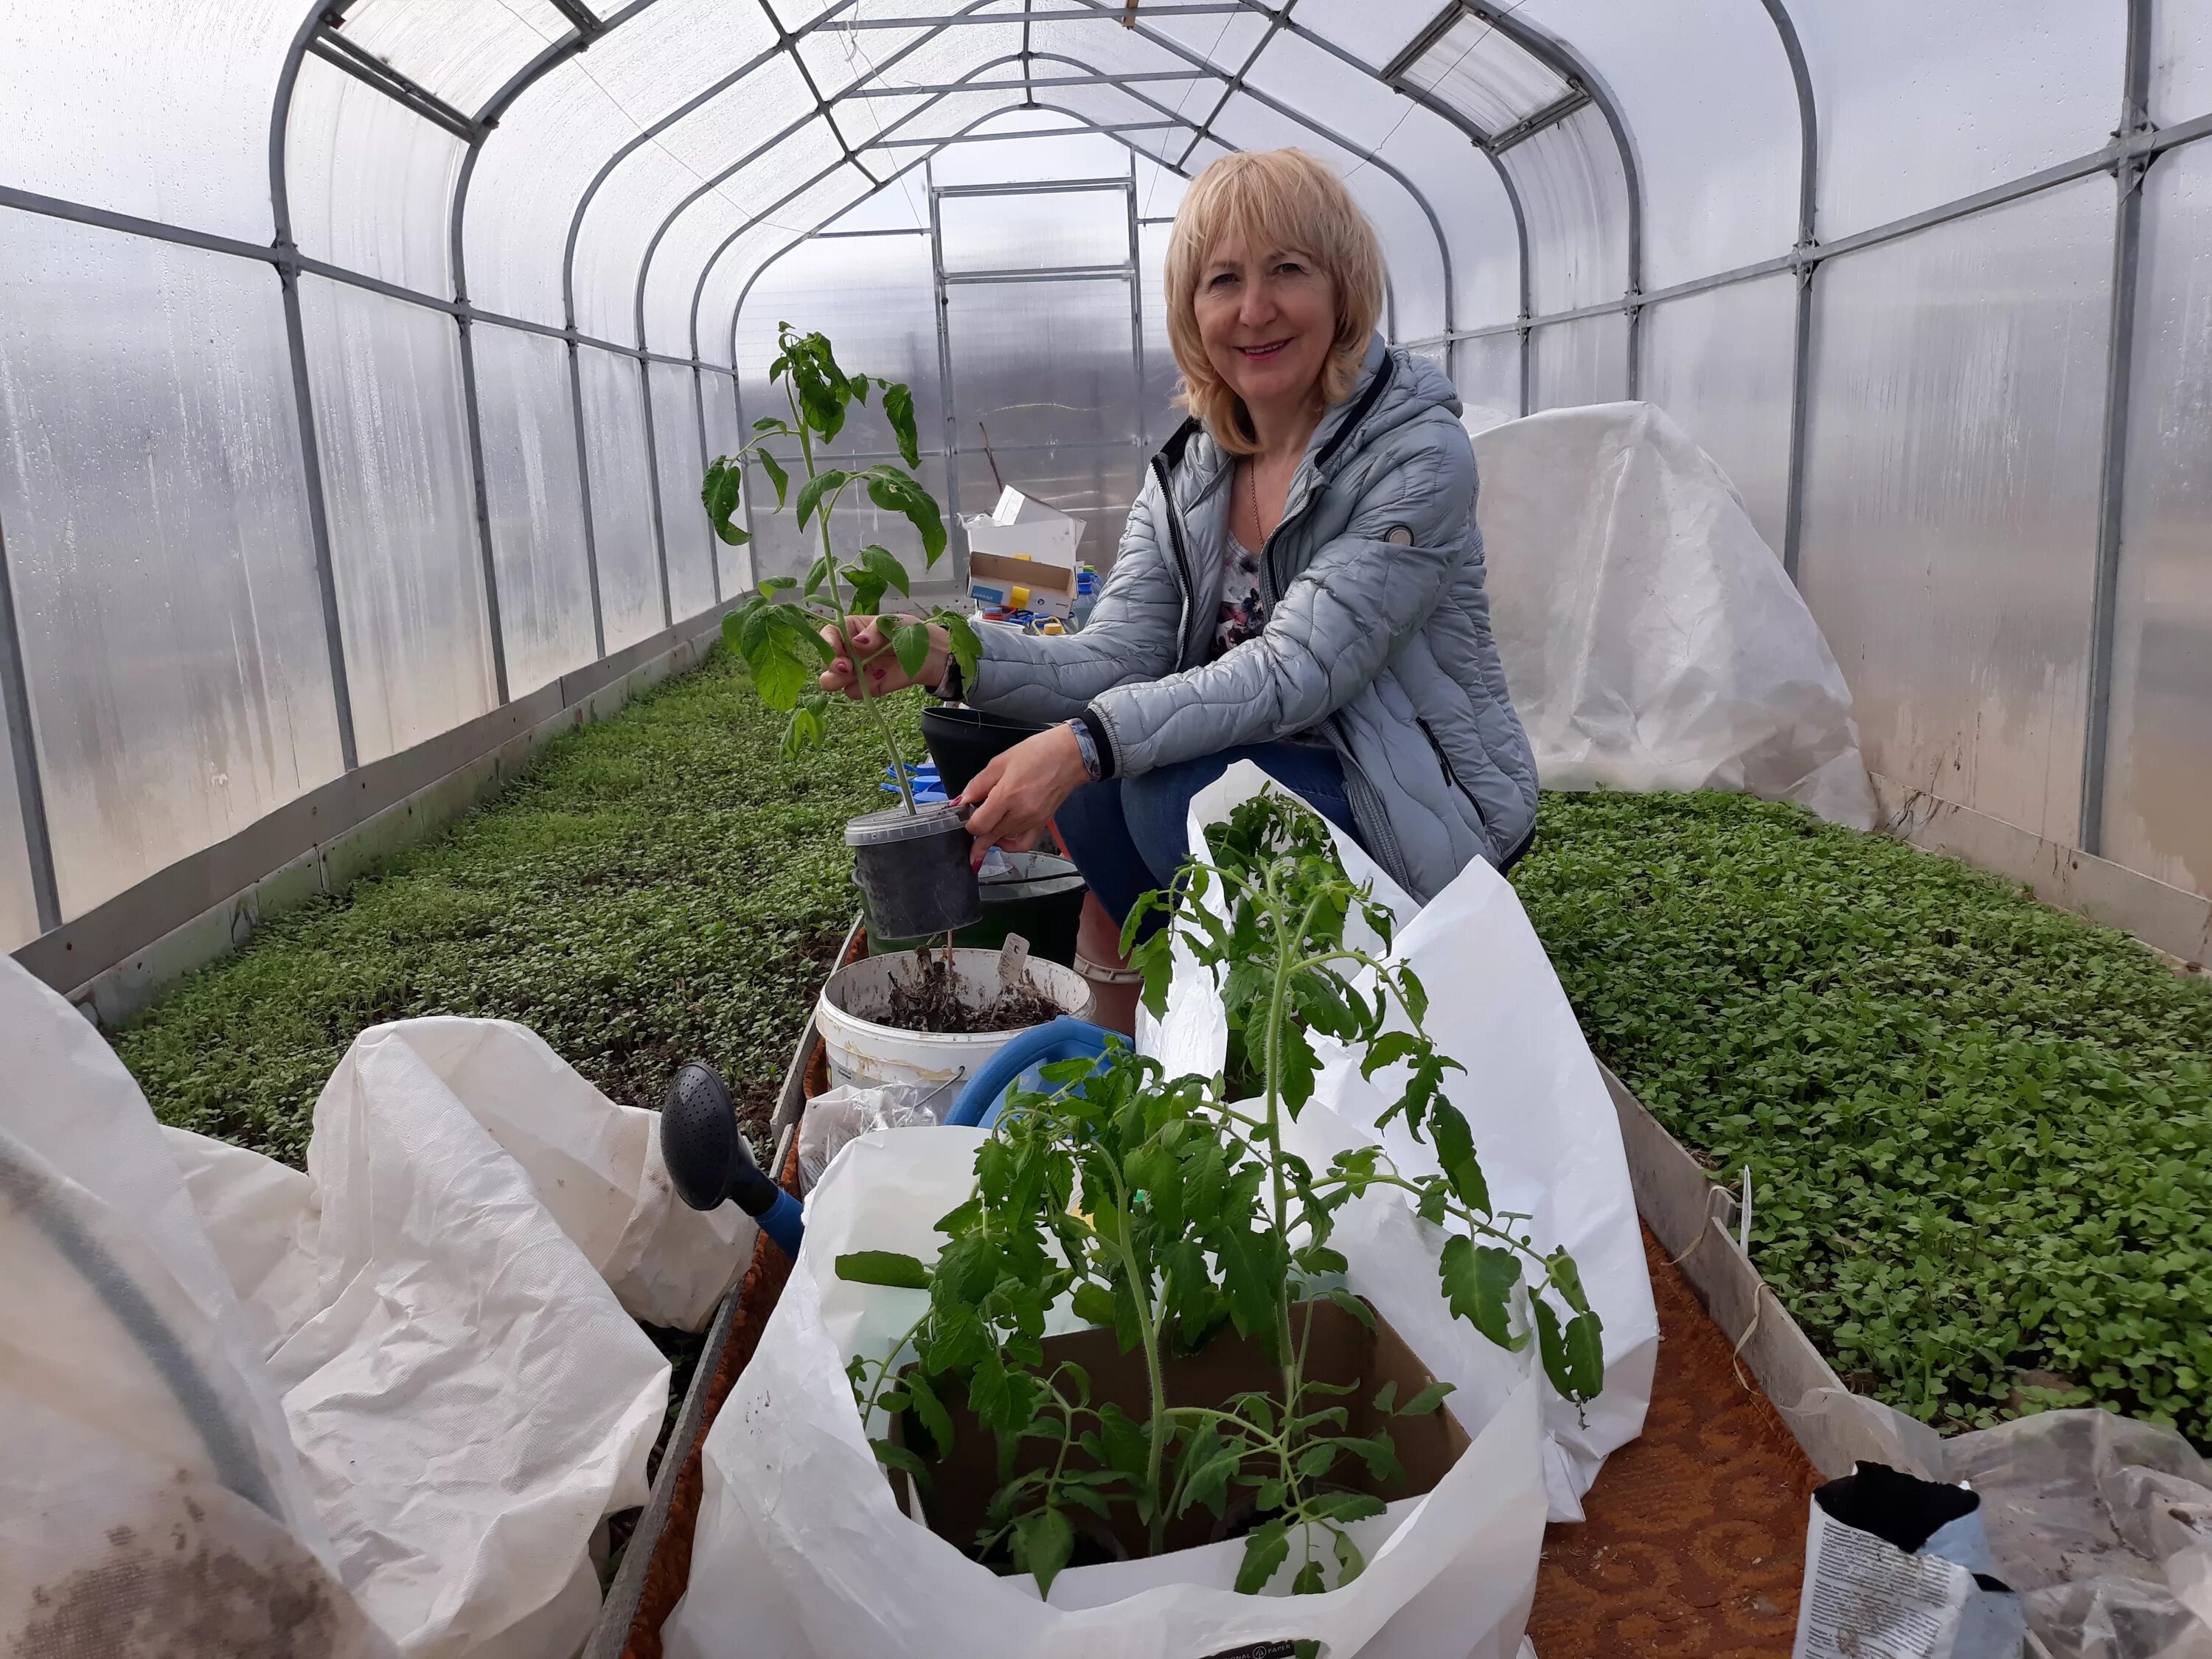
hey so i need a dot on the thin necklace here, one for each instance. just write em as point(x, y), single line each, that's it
point(1252, 481)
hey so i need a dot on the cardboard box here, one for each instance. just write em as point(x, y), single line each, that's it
point(1018, 525)
point(1024, 557)
point(997, 580)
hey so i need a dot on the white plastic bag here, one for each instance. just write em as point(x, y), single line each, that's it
point(803, 1551)
point(834, 1119)
point(384, 1403)
point(1545, 1128)
point(1651, 638)
point(2104, 1522)
point(147, 1482)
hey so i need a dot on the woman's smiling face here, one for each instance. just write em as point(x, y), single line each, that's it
point(1267, 318)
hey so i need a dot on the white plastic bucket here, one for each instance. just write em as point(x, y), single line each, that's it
point(864, 1052)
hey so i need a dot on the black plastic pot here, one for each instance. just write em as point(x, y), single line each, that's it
point(1040, 898)
point(962, 741)
point(912, 869)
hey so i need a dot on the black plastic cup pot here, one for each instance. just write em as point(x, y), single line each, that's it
point(1038, 895)
point(912, 869)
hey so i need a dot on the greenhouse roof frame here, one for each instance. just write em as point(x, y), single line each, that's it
point(491, 204)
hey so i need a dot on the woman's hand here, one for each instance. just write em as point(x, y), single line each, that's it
point(872, 647)
point(1015, 795)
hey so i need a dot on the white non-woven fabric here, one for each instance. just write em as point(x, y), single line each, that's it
point(804, 1552)
point(1545, 1128)
point(378, 1407)
point(1650, 637)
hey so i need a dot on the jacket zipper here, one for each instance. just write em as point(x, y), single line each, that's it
point(1185, 577)
point(1443, 760)
point(1374, 820)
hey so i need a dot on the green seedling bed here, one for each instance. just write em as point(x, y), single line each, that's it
point(661, 887)
point(1979, 1130)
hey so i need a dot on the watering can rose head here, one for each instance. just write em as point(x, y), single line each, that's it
point(779, 631)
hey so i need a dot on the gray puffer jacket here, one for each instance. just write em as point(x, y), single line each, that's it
point(1377, 636)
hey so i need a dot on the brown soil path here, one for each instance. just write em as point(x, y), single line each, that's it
point(1695, 1546)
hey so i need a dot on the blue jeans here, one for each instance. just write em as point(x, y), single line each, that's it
point(1127, 836)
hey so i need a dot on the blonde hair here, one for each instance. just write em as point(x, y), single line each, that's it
point(1270, 199)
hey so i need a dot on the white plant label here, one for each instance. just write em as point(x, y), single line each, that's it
point(1013, 958)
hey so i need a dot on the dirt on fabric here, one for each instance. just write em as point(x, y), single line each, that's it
point(931, 1000)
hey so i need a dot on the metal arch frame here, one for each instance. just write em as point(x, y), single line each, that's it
point(1570, 66)
point(1808, 201)
point(964, 135)
point(1483, 144)
point(1233, 84)
point(2129, 152)
point(787, 43)
point(706, 269)
point(2135, 124)
point(1204, 69)
point(1525, 265)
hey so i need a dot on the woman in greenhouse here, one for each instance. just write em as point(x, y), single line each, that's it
point(1300, 583)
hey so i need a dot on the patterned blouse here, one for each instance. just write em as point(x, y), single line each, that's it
point(1242, 615)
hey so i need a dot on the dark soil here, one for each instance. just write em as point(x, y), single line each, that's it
point(931, 1001)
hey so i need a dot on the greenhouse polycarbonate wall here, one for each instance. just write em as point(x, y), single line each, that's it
point(358, 361)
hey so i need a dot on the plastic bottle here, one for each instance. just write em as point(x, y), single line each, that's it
point(1086, 597)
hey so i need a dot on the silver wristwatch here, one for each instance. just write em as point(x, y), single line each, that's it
point(1088, 744)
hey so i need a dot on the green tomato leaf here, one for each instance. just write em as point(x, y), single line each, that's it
point(1265, 1550)
point(882, 563)
point(1311, 1580)
point(894, 1455)
point(776, 475)
point(911, 646)
point(1350, 1563)
point(1352, 1305)
point(895, 491)
point(719, 493)
point(1566, 1279)
point(967, 648)
point(898, 408)
point(1344, 1507)
point(1551, 1345)
point(1585, 1356)
point(931, 1410)
point(1094, 1303)
point(883, 1267)
point(1426, 1400)
point(1455, 1152)
point(827, 481)
point(1478, 1283)
point(1042, 1541)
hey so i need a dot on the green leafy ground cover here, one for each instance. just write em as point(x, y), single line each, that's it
point(659, 887)
point(1979, 1131)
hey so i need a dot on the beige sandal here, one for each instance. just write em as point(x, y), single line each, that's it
point(1097, 973)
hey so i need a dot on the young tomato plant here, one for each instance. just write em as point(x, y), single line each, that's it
point(1170, 1211)
point(781, 638)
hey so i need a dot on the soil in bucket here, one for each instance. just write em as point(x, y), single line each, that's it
point(930, 1000)
point(912, 871)
point(1339, 1350)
